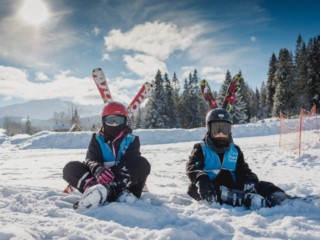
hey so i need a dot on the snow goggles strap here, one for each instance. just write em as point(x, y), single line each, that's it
point(114, 120)
point(220, 127)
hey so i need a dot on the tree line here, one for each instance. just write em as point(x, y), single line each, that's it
point(293, 79)
point(293, 83)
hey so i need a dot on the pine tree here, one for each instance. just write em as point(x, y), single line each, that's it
point(170, 104)
point(263, 112)
point(183, 106)
point(255, 106)
point(271, 85)
point(155, 116)
point(240, 107)
point(28, 127)
point(313, 65)
point(176, 97)
point(194, 114)
point(203, 106)
point(284, 99)
point(302, 74)
point(75, 118)
point(138, 119)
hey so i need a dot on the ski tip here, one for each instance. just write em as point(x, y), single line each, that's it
point(149, 84)
point(96, 69)
point(203, 81)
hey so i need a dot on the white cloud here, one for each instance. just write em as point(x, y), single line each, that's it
point(16, 83)
point(41, 76)
point(156, 39)
point(106, 57)
point(96, 31)
point(216, 74)
point(144, 66)
point(186, 70)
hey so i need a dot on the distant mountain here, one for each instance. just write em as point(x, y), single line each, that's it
point(44, 109)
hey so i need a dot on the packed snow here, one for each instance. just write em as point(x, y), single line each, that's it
point(32, 205)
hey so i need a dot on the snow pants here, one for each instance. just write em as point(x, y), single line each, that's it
point(131, 177)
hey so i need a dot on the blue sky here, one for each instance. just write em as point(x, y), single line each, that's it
point(49, 48)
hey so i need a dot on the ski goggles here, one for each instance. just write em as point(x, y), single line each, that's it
point(114, 120)
point(220, 127)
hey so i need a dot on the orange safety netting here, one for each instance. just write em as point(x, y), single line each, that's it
point(301, 133)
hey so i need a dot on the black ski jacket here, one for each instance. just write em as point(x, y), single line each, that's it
point(195, 166)
point(94, 157)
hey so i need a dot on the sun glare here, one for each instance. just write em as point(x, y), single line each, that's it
point(34, 12)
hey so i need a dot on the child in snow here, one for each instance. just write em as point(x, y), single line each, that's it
point(114, 166)
point(218, 172)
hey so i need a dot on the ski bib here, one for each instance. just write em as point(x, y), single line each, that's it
point(109, 158)
point(212, 164)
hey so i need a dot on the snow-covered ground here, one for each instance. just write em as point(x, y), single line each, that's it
point(32, 205)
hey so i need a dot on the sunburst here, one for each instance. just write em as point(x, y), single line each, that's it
point(34, 12)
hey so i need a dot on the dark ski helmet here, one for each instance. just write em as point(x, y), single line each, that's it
point(218, 115)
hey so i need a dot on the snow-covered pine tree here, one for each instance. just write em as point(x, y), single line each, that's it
point(196, 119)
point(284, 98)
point(203, 105)
point(241, 104)
point(170, 104)
point(271, 85)
point(262, 112)
point(176, 96)
point(313, 63)
point(255, 106)
point(183, 105)
point(155, 116)
point(302, 74)
point(138, 119)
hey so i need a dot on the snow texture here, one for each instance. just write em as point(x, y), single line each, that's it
point(32, 205)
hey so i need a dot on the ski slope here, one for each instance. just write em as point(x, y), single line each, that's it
point(32, 205)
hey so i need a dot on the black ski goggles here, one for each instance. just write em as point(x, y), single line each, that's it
point(220, 127)
point(114, 120)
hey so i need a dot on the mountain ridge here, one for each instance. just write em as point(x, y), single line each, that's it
point(44, 109)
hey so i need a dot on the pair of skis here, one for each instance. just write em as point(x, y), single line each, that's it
point(102, 85)
point(229, 98)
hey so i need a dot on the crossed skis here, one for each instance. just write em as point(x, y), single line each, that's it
point(102, 85)
point(230, 96)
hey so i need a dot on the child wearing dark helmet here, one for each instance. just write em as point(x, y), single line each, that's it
point(218, 172)
point(113, 166)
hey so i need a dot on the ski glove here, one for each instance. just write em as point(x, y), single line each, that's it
point(250, 187)
point(104, 175)
point(206, 191)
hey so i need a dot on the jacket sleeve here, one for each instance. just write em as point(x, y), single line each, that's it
point(243, 172)
point(195, 165)
point(94, 158)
